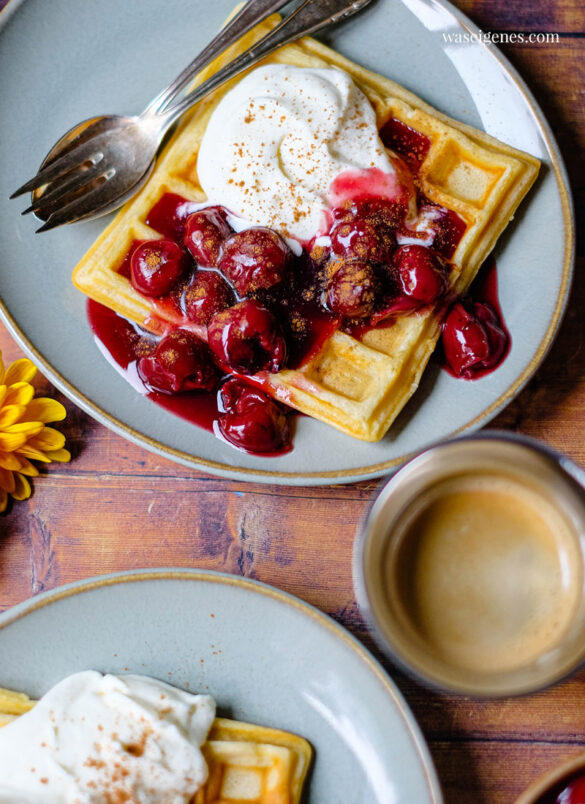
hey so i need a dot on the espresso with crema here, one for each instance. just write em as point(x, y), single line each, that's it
point(486, 572)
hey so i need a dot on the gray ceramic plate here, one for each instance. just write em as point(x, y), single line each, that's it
point(265, 656)
point(64, 61)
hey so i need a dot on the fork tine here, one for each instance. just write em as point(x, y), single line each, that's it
point(62, 165)
point(75, 178)
point(70, 208)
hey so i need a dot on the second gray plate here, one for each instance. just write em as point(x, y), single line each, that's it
point(266, 657)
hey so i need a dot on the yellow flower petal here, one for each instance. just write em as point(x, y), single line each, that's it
point(10, 414)
point(28, 429)
point(11, 461)
point(12, 441)
point(26, 467)
point(60, 455)
point(48, 438)
point(44, 409)
point(23, 434)
point(7, 480)
point(20, 371)
point(22, 490)
point(33, 454)
point(19, 393)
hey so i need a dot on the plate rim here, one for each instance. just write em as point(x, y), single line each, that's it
point(272, 593)
point(352, 475)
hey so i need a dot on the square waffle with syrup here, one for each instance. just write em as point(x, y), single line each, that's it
point(247, 764)
point(356, 384)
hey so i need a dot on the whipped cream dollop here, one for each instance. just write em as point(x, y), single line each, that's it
point(95, 738)
point(277, 141)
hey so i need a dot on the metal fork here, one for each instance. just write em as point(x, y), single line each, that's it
point(111, 158)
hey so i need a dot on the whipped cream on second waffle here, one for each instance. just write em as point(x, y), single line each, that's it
point(278, 139)
point(95, 738)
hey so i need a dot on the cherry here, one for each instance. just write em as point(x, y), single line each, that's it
point(412, 145)
point(351, 291)
point(422, 276)
point(156, 266)
point(362, 239)
point(180, 362)
point(247, 338)
point(473, 339)
point(254, 259)
point(251, 420)
point(205, 296)
point(573, 794)
point(205, 232)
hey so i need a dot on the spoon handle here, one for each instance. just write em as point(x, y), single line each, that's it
point(311, 16)
point(250, 14)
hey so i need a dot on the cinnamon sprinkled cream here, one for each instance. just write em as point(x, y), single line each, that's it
point(107, 739)
point(279, 138)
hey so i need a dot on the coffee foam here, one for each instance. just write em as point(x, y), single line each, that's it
point(487, 574)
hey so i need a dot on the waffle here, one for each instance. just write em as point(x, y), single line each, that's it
point(358, 385)
point(247, 764)
point(250, 763)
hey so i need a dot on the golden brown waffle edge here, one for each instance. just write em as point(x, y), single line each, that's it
point(357, 386)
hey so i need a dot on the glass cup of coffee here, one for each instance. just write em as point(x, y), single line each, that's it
point(470, 565)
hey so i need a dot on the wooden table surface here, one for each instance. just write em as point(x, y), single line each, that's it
point(118, 507)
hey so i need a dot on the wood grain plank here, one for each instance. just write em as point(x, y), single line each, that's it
point(565, 16)
point(550, 716)
point(493, 773)
point(211, 529)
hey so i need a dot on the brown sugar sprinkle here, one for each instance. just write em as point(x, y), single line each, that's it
point(319, 254)
point(169, 357)
point(152, 260)
point(298, 325)
point(144, 347)
point(90, 762)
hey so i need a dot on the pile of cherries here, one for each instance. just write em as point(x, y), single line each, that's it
point(259, 303)
point(244, 337)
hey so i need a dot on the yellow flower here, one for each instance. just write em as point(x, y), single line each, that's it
point(23, 434)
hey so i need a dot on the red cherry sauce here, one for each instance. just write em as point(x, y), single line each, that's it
point(574, 793)
point(123, 343)
point(358, 185)
point(413, 146)
point(571, 790)
point(124, 267)
point(169, 215)
point(475, 340)
point(450, 230)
